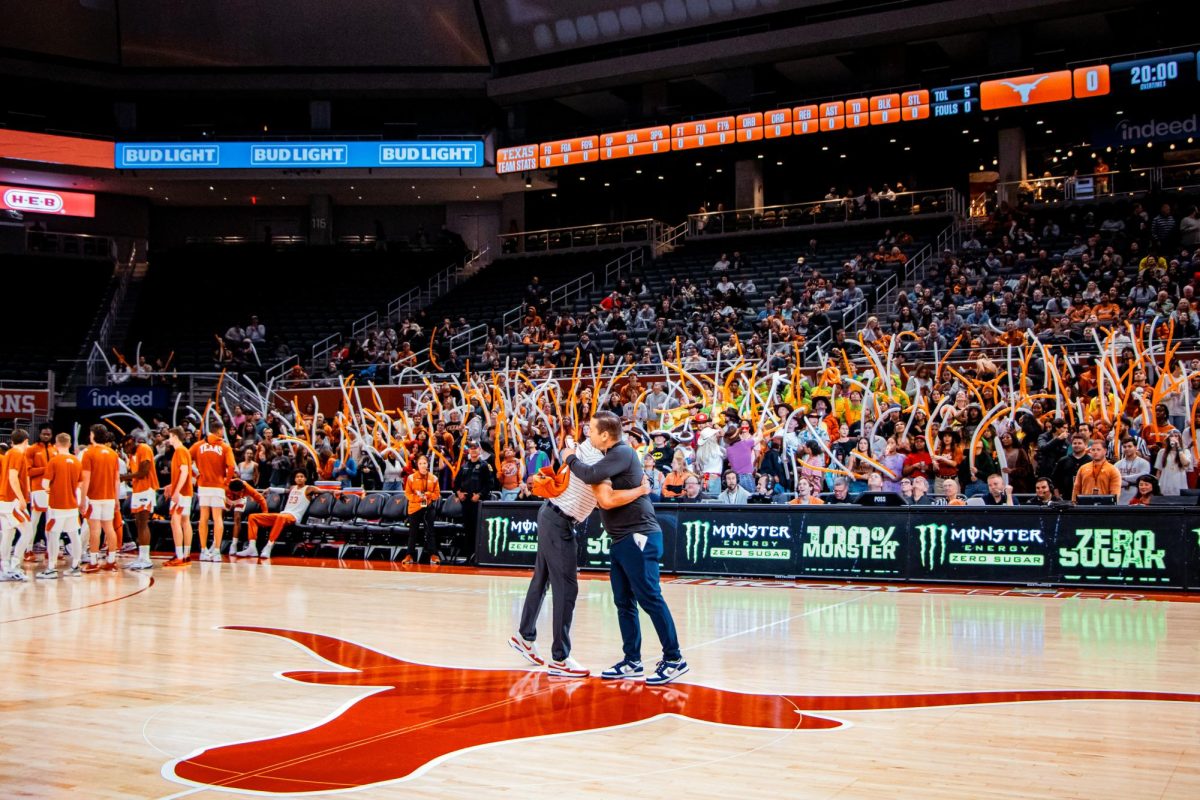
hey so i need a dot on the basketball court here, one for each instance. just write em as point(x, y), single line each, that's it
point(393, 682)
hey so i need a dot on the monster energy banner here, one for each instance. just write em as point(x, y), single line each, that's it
point(1011, 547)
point(851, 546)
point(1124, 547)
point(725, 541)
point(1110, 547)
point(508, 535)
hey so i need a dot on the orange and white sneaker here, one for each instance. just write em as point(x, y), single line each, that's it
point(527, 650)
point(111, 566)
point(435, 561)
point(176, 561)
point(567, 668)
point(407, 562)
point(90, 568)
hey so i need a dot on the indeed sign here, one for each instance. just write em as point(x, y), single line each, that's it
point(168, 155)
point(1128, 131)
point(114, 397)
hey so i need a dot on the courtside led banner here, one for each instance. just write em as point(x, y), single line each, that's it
point(34, 200)
point(291, 155)
point(1131, 547)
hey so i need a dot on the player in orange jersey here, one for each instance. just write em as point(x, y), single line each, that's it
point(215, 465)
point(237, 498)
point(179, 492)
point(143, 480)
point(62, 475)
point(99, 479)
point(14, 514)
point(38, 455)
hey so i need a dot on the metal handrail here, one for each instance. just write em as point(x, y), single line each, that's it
point(613, 270)
point(278, 370)
point(100, 342)
point(540, 240)
point(80, 245)
point(830, 210)
point(668, 236)
point(1086, 186)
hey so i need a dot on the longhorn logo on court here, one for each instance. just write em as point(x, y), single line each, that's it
point(418, 715)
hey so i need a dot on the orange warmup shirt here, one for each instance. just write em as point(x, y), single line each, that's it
point(14, 461)
point(214, 461)
point(103, 463)
point(38, 459)
point(143, 455)
point(182, 460)
point(63, 473)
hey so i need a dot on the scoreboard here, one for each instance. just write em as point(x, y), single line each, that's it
point(1131, 78)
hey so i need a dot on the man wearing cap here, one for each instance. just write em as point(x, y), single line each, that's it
point(557, 564)
point(662, 451)
point(475, 480)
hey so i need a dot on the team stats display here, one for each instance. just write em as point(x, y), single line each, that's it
point(1122, 78)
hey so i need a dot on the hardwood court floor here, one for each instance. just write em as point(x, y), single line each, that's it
point(108, 681)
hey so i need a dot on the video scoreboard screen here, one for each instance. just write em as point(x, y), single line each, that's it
point(1119, 79)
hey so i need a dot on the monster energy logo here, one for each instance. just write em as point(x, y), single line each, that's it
point(933, 544)
point(695, 540)
point(498, 529)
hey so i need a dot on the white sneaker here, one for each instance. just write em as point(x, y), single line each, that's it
point(567, 668)
point(140, 564)
point(72, 572)
point(129, 547)
point(250, 551)
point(528, 650)
point(14, 576)
point(47, 575)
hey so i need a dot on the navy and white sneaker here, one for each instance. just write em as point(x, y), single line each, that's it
point(666, 672)
point(624, 670)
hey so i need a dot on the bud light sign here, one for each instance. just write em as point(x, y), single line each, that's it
point(312, 154)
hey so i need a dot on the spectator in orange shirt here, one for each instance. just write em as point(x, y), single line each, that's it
point(804, 495)
point(422, 490)
point(1098, 477)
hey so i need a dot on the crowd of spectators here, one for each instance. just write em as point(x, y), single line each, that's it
point(725, 315)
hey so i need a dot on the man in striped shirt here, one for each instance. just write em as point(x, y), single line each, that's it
point(557, 564)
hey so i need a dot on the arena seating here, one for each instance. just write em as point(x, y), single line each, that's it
point(501, 286)
point(301, 296)
point(51, 324)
